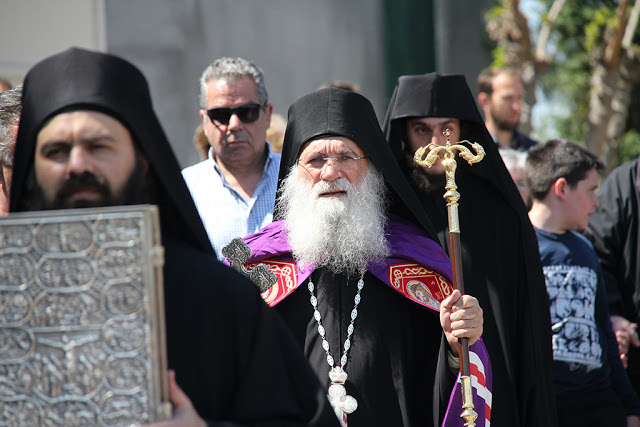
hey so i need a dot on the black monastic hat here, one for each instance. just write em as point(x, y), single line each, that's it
point(338, 112)
point(79, 79)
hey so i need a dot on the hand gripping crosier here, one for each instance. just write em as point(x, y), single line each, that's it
point(452, 197)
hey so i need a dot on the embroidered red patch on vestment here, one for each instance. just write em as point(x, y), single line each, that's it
point(419, 284)
point(287, 274)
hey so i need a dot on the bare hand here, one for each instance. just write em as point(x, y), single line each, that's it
point(184, 414)
point(461, 317)
point(626, 333)
point(633, 421)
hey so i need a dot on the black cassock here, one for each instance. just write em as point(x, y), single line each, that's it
point(233, 356)
point(394, 350)
point(614, 230)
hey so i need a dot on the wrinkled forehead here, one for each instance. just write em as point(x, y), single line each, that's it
point(329, 145)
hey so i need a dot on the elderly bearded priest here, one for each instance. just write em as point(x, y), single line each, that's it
point(360, 280)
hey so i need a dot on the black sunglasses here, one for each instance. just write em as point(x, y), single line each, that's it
point(247, 113)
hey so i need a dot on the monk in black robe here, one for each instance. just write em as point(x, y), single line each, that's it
point(614, 231)
point(88, 136)
point(362, 285)
point(501, 262)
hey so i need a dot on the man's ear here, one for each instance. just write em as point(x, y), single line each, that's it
point(560, 188)
point(483, 99)
point(145, 162)
point(269, 112)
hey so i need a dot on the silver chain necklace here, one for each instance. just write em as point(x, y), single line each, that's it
point(342, 403)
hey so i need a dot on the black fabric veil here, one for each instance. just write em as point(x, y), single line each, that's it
point(436, 95)
point(501, 261)
point(338, 112)
point(111, 85)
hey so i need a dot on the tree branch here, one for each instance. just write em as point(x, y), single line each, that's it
point(523, 36)
point(612, 51)
point(631, 26)
point(541, 54)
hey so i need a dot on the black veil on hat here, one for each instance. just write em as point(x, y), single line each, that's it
point(437, 95)
point(79, 79)
point(338, 112)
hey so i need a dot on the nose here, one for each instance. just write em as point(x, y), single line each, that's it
point(234, 122)
point(79, 161)
point(516, 104)
point(330, 171)
point(438, 139)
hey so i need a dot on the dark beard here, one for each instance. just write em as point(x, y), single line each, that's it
point(75, 182)
point(419, 178)
point(139, 189)
point(504, 125)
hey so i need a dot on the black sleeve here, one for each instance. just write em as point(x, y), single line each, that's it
point(619, 379)
point(443, 385)
point(608, 230)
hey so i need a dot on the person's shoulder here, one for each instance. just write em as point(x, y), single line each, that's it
point(579, 237)
point(273, 165)
point(202, 273)
point(401, 225)
point(545, 237)
point(196, 169)
point(199, 177)
point(621, 182)
point(626, 169)
point(524, 142)
point(579, 246)
point(275, 156)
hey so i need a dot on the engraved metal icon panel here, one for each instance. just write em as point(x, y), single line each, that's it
point(82, 318)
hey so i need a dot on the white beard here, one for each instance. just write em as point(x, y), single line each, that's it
point(340, 233)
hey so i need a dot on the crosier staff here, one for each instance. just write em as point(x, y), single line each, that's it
point(452, 196)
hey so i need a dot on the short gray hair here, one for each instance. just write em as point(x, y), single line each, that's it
point(513, 159)
point(10, 109)
point(233, 69)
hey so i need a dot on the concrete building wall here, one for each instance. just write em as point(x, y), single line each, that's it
point(33, 29)
point(299, 44)
point(461, 38)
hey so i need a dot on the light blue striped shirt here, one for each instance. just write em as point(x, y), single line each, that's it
point(224, 212)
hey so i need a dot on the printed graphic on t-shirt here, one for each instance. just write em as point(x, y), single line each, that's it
point(572, 293)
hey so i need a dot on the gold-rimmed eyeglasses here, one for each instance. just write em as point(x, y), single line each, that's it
point(344, 162)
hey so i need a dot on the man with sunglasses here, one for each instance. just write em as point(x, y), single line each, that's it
point(234, 188)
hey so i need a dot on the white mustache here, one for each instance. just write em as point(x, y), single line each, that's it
point(340, 184)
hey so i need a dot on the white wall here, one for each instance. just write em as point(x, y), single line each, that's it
point(299, 44)
point(33, 29)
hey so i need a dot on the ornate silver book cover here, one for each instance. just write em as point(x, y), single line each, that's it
point(82, 318)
